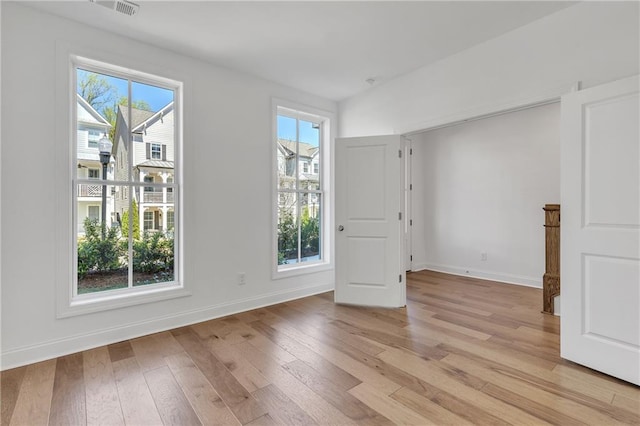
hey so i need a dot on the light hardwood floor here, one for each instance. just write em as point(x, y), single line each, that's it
point(464, 351)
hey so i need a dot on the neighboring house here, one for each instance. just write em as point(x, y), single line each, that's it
point(91, 128)
point(152, 157)
point(308, 173)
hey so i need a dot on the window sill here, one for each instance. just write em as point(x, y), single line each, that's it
point(97, 302)
point(303, 269)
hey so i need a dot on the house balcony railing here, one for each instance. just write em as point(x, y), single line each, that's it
point(86, 190)
point(152, 197)
point(157, 197)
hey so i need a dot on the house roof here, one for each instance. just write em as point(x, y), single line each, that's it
point(148, 121)
point(139, 116)
point(157, 164)
point(91, 111)
point(304, 149)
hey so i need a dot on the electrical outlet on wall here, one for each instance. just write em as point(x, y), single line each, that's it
point(483, 257)
point(242, 278)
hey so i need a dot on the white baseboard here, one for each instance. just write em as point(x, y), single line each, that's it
point(55, 348)
point(485, 275)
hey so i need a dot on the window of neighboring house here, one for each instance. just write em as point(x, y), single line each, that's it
point(93, 213)
point(156, 151)
point(170, 220)
point(148, 179)
point(148, 220)
point(170, 195)
point(316, 168)
point(117, 267)
point(94, 136)
point(301, 236)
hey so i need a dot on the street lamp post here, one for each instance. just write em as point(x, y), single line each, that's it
point(104, 146)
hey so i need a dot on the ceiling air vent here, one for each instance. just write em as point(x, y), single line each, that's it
point(123, 6)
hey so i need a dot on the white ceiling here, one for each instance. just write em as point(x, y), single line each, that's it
point(325, 48)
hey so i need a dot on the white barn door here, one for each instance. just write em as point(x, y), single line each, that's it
point(369, 239)
point(600, 240)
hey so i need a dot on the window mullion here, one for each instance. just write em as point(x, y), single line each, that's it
point(130, 186)
point(298, 198)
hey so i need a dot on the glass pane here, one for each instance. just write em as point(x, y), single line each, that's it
point(287, 229)
point(153, 250)
point(310, 227)
point(102, 250)
point(98, 100)
point(309, 152)
point(286, 152)
point(152, 128)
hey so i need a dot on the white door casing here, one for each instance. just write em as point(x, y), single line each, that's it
point(600, 228)
point(369, 203)
point(407, 218)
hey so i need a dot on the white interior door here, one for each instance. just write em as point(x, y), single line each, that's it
point(369, 235)
point(600, 232)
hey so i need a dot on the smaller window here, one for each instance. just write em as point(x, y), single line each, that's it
point(94, 174)
point(316, 168)
point(148, 179)
point(148, 220)
point(305, 167)
point(94, 136)
point(93, 213)
point(170, 220)
point(156, 151)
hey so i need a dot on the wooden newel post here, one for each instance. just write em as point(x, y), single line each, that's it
point(551, 279)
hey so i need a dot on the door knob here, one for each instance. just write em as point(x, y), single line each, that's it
point(340, 228)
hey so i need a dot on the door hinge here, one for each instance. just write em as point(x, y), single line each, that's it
point(400, 278)
point(410, 187)
point(411, 258)
point(399, 153)
point(410, 222)
point(410, 151)
point(399, 215)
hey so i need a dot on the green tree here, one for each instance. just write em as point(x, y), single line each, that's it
point(103, 97)
point(97, 91)
point(136, 222)
point(309, 234)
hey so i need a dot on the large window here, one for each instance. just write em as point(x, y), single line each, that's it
point(300, 140)
point(121, 241)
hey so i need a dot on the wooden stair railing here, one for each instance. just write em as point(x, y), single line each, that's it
point(551, 279)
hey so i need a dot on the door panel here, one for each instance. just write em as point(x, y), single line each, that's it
point(600, 253)
point(369, 243)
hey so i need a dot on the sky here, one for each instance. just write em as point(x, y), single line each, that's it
point(157, 98)
point(287, 130)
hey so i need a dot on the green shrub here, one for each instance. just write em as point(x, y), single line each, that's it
point(287, 237)
point(153, 253)
point(99, 249)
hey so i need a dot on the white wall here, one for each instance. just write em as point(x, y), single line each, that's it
point(589, 42)
point(479, 187)
point(227, 204)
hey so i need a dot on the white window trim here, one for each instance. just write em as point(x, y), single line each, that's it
point(305, 112)
point(67, 304)
point(159, 151)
